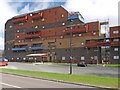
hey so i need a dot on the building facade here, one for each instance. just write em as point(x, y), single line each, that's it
point(48, 32)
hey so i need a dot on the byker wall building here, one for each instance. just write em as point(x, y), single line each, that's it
point(46, 33)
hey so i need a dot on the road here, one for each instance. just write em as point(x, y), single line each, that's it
point(13, 81)
point(89, 70)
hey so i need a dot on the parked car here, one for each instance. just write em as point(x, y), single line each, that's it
point(81, 64)
point(3, 61)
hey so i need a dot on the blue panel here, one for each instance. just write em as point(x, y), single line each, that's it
point(18, 49)
point(76, 16)
point(37, 47)
point(73, 17)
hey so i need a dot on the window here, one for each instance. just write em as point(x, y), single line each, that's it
point(73, 35)
point(82, 43)
point(94, 33)
point(116, 40)
point(53, 48)
point(80, 35)
point(10, 26)
point(42, 19)
point(18, 31)
point(63, 30)
point(63, 23)
point(21, 23)
point(82, 58)
point(30, 14)
point(73, 27)
point(19, 41)
point(94, 27)
point(62, 15)
point(23, 40)
point(60, 43)
point(36, 26)
point(18, 36)
point(61, 36)
point(43, 26)
point(17, 58)
point(24, 58)
point(63, 58)
point(96, 50)
point(32, 21)
point(68, 28)
point(116, 57)
point(115, 32)
point(95, 57)
point(115, 49)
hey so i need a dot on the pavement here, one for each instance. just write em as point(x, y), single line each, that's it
point(14, 81)
point(98, 70)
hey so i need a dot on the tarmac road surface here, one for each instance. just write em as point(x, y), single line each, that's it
point(13, 81)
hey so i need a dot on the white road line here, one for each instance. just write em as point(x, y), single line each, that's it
point(11, 85)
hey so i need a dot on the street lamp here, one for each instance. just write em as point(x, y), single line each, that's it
point(71, 46)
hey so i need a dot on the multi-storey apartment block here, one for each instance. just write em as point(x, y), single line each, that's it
point(47, 33)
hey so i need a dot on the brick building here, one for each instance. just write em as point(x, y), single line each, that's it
point(48, 32)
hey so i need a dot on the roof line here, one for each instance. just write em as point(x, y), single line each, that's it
point(39, 11)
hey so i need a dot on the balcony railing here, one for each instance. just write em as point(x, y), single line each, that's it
point(37, 47)
point(114, 43)
point(103, 43)
point(32, 35)
point(20, 19)
point(81, 29)
point(37, 15)
point(91, 44)
point(19, 49)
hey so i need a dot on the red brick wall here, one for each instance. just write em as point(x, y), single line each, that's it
point(21, 35)
point(52, 31)
point(93, 26)
point(49, 15)
point(112, 35)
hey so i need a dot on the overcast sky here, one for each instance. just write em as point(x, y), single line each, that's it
point(91, 10)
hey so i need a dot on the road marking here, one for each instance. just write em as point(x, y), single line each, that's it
point(11, 85)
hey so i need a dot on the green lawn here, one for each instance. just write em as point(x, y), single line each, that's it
point(92, 80)
point(113, 65)
point(75, 65)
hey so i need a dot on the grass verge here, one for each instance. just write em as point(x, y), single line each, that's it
point(113, 65)
point(75, 65)
point(92, 80)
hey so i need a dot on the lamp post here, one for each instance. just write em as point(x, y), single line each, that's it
point(71, 46)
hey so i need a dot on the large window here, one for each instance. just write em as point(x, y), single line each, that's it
point(82, 58)
point(115, 32)
point(116, 49)
point(116, 40)
point(115, 57)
